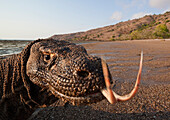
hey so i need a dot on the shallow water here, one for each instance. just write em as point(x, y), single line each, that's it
point(8, 47)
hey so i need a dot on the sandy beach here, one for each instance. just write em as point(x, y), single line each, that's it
point(153, 98)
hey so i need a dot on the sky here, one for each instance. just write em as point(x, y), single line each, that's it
point(33, 19)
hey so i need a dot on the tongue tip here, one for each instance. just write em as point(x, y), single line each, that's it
point(108, 93)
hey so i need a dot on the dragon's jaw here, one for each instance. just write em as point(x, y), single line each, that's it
point(82, 97)
point(82, 100)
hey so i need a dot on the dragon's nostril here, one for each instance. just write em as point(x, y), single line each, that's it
point(82, 73)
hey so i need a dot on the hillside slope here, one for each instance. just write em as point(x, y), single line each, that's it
point(147, 27)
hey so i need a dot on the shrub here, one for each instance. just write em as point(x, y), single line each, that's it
point(161, 31)
point(157, 23)
point(135, 35)
point(113, 38)
point(167, 21)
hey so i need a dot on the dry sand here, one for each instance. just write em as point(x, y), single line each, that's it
point(153, 98)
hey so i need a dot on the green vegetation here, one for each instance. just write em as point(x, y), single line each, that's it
point(157, 23)
point(145, 26)
point(141, 34)
point(101, 34)
point(161, 31)
point(135, 35)
point(167, 21)
point(146, 31)
point(85, 37)
point(143, 31)
point(113, 38)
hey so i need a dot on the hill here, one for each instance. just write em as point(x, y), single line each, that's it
point(147, 27)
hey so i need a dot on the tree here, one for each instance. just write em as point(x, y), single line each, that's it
point(161, 31)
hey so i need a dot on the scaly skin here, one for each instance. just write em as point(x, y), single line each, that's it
point(48, 66)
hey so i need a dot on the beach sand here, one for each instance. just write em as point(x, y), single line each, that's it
point(153, 97)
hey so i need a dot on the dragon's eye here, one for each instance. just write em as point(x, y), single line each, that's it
point(47, 57)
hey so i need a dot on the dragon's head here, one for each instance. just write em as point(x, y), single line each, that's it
point(68, 72)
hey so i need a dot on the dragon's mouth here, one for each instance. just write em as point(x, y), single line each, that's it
point(58, 85)
point(77, 100)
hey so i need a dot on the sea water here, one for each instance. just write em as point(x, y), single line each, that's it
point(8, 47)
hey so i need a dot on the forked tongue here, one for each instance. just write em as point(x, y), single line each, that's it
point(110, 95)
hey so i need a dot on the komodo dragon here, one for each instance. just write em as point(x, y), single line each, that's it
point(47, 70)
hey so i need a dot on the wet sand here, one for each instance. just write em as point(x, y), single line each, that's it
point(153, 98)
